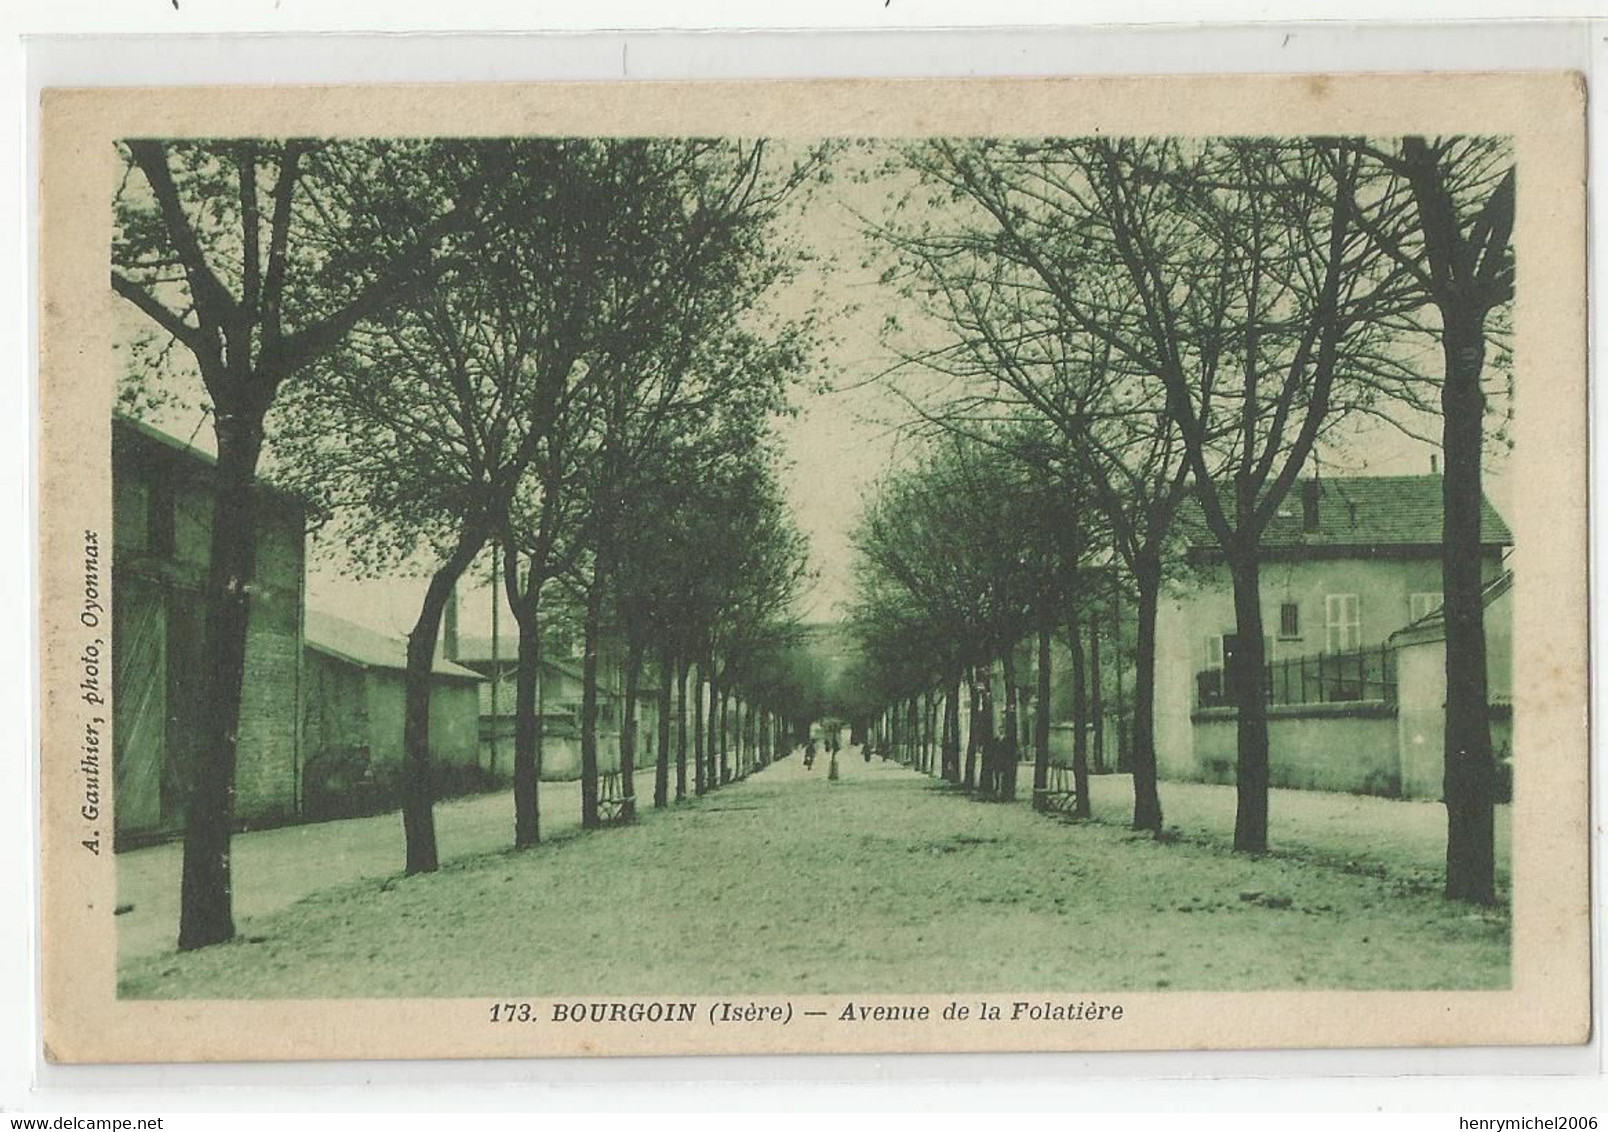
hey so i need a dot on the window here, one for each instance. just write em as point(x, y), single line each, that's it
point(1222, 654)
point(1289, 621)
point(1344, 623)
point(1212, 682)
point(1420, 606)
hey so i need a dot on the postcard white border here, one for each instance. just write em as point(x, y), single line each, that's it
point(1338, 47)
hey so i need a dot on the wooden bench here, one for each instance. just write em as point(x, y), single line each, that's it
point(1060, 792)
point(611, 797)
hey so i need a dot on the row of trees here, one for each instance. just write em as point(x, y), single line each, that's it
point(984, 546)
point(564, 349)
point(1128, 324)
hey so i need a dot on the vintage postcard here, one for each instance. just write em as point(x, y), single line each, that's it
point(630, 568)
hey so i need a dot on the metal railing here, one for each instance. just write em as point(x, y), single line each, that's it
point(1363, 675)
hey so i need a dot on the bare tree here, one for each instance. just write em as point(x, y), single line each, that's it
point(1009, 269)
point(259, 257)
point(1262, 297)
point(1459, 253)
point(710, 254)
point(418, 433)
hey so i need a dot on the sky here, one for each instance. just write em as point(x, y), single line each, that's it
point(843, 441)
point(836, 446)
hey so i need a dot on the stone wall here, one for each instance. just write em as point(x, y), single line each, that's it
point(1347, 748)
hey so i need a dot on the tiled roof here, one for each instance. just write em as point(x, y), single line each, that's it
point(126, 429)
point(346, 640)
point(477, 650)
point(1357, 511)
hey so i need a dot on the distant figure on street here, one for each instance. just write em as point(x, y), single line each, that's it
point(809, 754)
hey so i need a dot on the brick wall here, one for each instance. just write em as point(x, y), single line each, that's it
point(268, 769)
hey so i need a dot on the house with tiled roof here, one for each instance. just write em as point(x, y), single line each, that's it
point(559, 693)
point(322, 700)
point(1347, 564)
point(162, 494)
point(354, 703)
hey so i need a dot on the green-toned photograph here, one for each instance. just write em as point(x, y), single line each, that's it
point(637, 567)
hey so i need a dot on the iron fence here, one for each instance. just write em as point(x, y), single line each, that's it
point(1367, 674)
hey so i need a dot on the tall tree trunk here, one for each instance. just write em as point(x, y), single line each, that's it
point(1469, 781)
point(744, 715)
point(712, 723)
point(527, 726)
point(628, 734)
point(718, 772)
point(928, 732)
point(661, 777)
point(1009, 751)
point(526, 605)
point(1124, 757)
point(418, 792)
point(1080, 717)
point(1250, 704)
point(1146, 798)
point(700, 782)
point(974, 733)
point(1041, 721)
point(756, 739)
point(989, 753)
point(727, 735)
point(1471, 273)
point(951, 731)
point(1096, 693)
point(593, 631)
point(206, 914)
point(680, 670)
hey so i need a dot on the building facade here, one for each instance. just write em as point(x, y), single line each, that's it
point(354, 708)
point(559, 704)
point(161, 540)
point(1347, 565)
point(321, 715)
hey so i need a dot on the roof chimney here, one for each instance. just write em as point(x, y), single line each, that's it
point(1310, 490)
